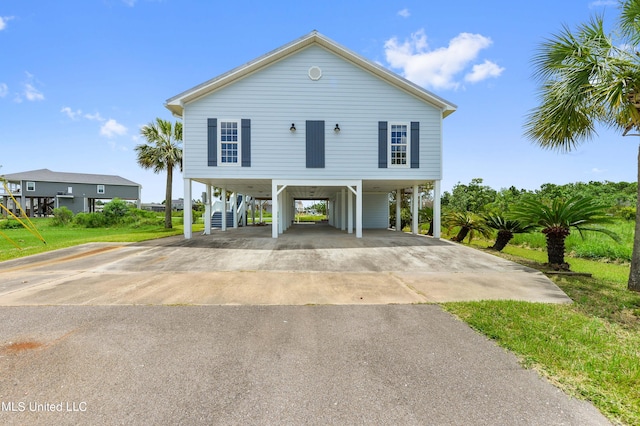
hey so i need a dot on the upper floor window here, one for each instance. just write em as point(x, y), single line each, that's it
point(100, 189)
point(31, 186)
point(399, 137)
point(229, 137)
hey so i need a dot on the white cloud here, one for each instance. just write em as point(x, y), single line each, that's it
point(94, 117)
point(601, 3)
point(129, 3)
point(112, 128)
point(4, 90)
point(3, 21)
point(31, 93)
point(438, 68)
point(597, 170)
point(71, 113)
point(483, 71)
point(404, 13)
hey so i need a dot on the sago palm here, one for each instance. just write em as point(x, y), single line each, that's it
point(469, 223)
point(506, 228)
point(587, 77)
point(162, 152)
point(557, 218)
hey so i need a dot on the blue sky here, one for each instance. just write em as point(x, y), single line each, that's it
point(79, 78)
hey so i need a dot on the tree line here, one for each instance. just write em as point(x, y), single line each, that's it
point(618, 198)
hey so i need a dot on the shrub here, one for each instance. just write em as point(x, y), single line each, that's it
point(138, 217)
point(62, 216)
point(115, 211)
point(626, 213)
point(90, 220)
point(10, 224)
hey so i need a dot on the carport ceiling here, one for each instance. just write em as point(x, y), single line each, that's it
point(261, 188)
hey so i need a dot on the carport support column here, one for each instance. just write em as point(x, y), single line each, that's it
point(342, 210)
point(234, 206)
point(414, 208)
point(274, 209)
point(350, 212)
point(223, 218)
point(186, 219)
point(207, 210)
point(436, 209)
point(399, 209)
point(359, 210)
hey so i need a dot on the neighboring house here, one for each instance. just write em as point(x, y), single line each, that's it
point(313, 120)
point(177, 205)
point(41, 191)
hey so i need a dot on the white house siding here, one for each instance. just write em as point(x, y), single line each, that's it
point(282, 94)
point(375, 209)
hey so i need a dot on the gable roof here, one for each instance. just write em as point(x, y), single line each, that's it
point(176, 103)
point(46, 175)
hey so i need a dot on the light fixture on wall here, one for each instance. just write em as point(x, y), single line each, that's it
point(337, 128)
point(293, 127)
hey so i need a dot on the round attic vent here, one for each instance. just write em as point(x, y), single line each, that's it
point(315, 73)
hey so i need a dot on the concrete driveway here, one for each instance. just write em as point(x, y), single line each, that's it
point(309, 264)
point(390, 361)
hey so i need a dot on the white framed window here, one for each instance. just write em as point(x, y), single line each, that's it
point(399, 138)
point(100, 189)
point(229, 147)
point(31, 186)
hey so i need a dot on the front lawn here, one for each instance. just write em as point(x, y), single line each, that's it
point(57, 237)
point(590, 349)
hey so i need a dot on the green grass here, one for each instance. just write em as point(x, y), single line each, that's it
point(310, 218)
point(67, 236)
point(590, 349)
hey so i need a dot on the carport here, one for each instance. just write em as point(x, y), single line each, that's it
point(347, 200)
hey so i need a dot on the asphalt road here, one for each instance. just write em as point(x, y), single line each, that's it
point(250, 365)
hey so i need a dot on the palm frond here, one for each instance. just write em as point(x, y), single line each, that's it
point(579, 213)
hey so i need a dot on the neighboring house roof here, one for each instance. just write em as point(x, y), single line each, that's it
point(46, 175)
point(176, 103)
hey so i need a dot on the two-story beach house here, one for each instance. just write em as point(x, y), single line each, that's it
point(313, 120)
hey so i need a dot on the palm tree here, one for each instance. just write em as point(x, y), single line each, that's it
point(589, 77)
point(556, 219)
point(469, 223)
point(506, 229)
point(162, 152)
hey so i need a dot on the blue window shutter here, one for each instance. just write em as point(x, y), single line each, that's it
point(415, 144)
point(212, 142)
point(246, 142)
point(382, 144)
point(315, 144)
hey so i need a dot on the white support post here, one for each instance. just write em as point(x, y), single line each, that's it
point(207, 210)
point(399, 193)
point(223, 221)
point(414, 210)
point(436, 209)
point(342, 210)
point(261, 208)
point(253, 211)
point(359, 210)
point(350, 212)
point(186, 219)
point(282, 211)
point(274, 209)
point(234, 208)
